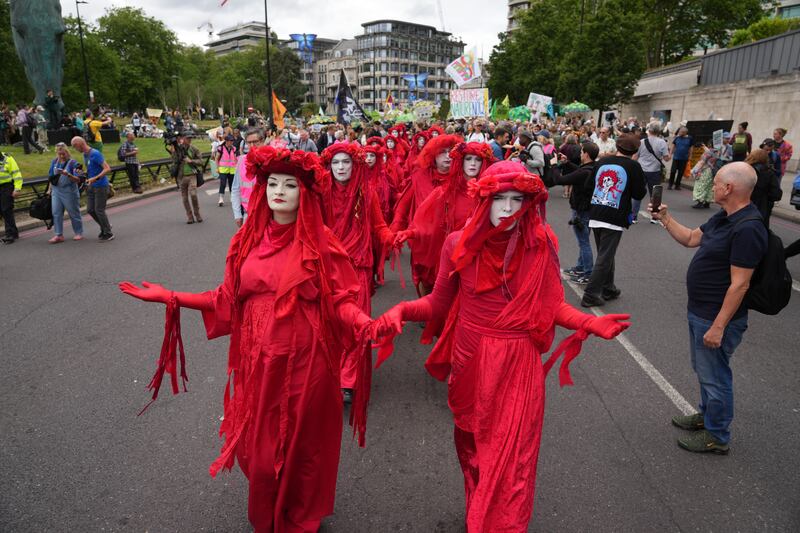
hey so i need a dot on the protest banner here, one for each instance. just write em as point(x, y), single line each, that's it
point(466, 103)
point(466, 68)
point(540, 103)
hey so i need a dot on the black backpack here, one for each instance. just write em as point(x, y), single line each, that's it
point(548, 171)
point(41, 208)
point(771, 284)
point(30, 119)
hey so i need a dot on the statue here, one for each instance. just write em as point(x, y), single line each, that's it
point(38, 31)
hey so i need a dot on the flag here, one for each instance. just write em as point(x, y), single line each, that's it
point(389, 105)
point(278, 110)
point(321, 112)
point(349, 108)
point(466, 68)
point(505, 102)
point(305, 45)
point(223, 3)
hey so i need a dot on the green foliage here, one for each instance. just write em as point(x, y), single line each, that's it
point(308, 110)
point(766, 27)
point(444, 109)
point(14, 86)
point(102, 65)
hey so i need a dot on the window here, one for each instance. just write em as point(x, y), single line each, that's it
point(384, 67)
point(384, 80)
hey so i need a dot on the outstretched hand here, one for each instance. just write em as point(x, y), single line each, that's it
point(608, 326)
point(149, 292)
point(391, 322)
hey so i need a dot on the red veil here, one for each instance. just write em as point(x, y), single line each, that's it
point(378, 180)
point(411, 158)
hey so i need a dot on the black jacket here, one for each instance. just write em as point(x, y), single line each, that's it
point(580, 177)
point(616, 179)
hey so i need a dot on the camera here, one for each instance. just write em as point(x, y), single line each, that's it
point(170, 138)
point(578, 223)
point(524, 155)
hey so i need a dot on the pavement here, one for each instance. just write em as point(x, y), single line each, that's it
point(77, 355)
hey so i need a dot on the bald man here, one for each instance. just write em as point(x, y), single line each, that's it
point(97, 186)
point(730, 245)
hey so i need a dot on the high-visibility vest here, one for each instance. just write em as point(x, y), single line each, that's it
point(9, 171)
point(246, 183)
point(227, 159)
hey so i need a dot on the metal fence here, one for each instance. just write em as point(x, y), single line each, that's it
point(151, 172)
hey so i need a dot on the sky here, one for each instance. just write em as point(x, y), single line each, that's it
point(475, 22)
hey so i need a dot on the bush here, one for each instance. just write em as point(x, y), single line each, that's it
point(766, 27)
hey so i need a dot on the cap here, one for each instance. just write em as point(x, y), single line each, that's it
point(628, 143)
point(545, 134)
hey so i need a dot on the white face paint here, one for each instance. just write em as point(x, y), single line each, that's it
point(390, 143)
point(395, 133)
point(443, 162)
point(370, 158)
point(504, 205)
point(434, 133)
point(472, 165)
point(283, 193)
point(421, 142)
point(341, 167)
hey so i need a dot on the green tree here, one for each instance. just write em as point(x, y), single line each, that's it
point(146, 50)
point(14, 85)
point(766, 27)
point(102, 66)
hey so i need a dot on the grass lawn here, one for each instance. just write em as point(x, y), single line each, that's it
point(35, 165)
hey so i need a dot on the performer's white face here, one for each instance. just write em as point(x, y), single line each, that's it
point(434, 133)
point(370, 158)
point(395, 133)
point(443, 162)
point(341, 167)
point(283, 193)
point(472, 165)
point(421, 142)
point(504, 205)
point(390, 143)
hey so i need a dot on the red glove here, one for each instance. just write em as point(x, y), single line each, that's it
point(608, 326)
point(153, 292)
point(389, 323)
point(403, 236)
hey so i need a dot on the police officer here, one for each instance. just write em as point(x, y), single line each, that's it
point(10, 186)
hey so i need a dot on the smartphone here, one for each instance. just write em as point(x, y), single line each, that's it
point(655, 198)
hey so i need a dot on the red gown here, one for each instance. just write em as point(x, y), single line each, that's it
point(491, 348)
point(418, 187)
point(283, 422)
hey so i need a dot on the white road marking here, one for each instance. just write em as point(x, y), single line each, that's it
point(661, 382)
point(209, 192)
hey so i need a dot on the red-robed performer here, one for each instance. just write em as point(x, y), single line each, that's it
point(435, 130)
point(289, 302)
point(500, 287)
point(397, 134)
point(352, 211)
point(444, 211)
point(417, 144)
point(377, 177)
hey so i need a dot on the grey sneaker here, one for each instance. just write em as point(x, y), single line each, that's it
point(689, 422)
point(703, 442)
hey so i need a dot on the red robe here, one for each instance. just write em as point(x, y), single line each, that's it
point(418, 188)
point(283, 422)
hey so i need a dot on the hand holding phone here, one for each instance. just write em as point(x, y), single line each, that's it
point(655, 198)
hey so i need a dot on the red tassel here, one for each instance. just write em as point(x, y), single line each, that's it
point(358, 411)
point(571, 348)
point(385, 347)
point(168, 360)
point(396, 260)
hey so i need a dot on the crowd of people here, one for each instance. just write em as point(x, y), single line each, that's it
point(319, 215)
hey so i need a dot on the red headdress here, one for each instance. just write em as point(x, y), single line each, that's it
point(457, 155)
point(376, 141)
point(400, 128)
point(435, 128)
point(427, 157)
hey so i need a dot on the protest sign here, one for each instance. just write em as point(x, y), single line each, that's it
point(466, 103)
point(466, 68)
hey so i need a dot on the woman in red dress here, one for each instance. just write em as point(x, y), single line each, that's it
point(289, 302)
point(500, 288)
point(417, 144)
point(444, 211)
point(352, 211)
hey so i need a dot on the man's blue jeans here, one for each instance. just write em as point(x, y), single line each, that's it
point(712, 366)
point(585, 258)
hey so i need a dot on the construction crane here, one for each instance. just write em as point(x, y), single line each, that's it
point(210, 29)
point(441, 13)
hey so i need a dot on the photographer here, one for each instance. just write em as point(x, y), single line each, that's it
point(581, 178)
point(530, 153)
point(186, 162)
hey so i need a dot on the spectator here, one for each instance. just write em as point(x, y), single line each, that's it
point(580, 178)
point(326, 138)
point(54, 107)
point(652, 153)
point(169, 123)
point(226, 157)
point(96, 186)
point(768, 145)
point(605, 143)
point(136, 124)
point(64, 194)
point(500, 142)
point(703, 175)
point(95, 124)
point(617, 181)
point(10, 187)
point(218, 141)
point(41, 127)
point(244, 181)
point(187, 161)
point(26, 124)
point(783, 147)
point(742, 143)
point(571, 149)
point(131, 153)
point(679, 152)
point(531, 153)
point(763, 196)
point(304, 143)
point(178, 118)
point(477, 135)
point(730, 246)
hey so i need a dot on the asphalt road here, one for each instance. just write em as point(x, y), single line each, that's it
point(77, 354)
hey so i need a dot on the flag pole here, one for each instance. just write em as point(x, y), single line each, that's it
point(270, 122)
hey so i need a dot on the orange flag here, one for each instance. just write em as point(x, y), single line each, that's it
point(278, 110)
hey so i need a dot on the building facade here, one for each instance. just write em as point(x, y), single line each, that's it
point(308, 71)
point(328, 70)
point(391, 49)
point(515, 7)
point(238, 38)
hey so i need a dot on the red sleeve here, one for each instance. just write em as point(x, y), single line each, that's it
point(403, 208)
point(437, 304)
point(379, 228)
point(570, 318)
point(217, 318)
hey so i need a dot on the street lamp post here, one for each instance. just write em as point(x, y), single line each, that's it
point(83, 51)
point(269, 70)
point(177, 90)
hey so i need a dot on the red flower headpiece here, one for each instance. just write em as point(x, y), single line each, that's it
point(506, 176)
point(353, 149)
point(423, 134)
point(374, 149)
point(376, 141)
point(265, 160)
point(427, 157)
point(482, 150)
point(399, 128)
point(435, 128)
